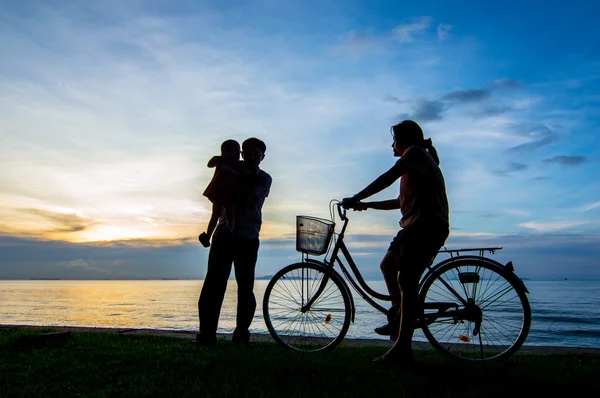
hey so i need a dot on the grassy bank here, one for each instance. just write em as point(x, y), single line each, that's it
point(107, 364)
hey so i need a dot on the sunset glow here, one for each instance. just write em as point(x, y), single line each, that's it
point(110, 111)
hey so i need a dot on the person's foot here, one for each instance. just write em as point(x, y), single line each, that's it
point(242, 340)
point(204, 340)
point(388, 330)
point(204, 239)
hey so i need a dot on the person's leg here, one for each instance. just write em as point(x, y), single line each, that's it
point(417, 248)
point(408, 279)
point(389, 270)
point(245, 263)
point(390, 275)
point(214, 287)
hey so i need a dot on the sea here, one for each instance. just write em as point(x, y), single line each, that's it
point(564, 313)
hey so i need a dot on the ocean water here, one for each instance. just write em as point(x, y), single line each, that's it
point(564, 313)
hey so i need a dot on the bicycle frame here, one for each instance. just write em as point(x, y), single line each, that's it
point(462, 299)
point(364, 290)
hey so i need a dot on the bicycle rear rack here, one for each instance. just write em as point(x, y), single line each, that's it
point(481, 251)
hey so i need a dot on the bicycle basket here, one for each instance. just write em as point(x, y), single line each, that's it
point(313, 234)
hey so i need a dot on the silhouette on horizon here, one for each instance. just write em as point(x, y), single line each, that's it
point(235, 240)
point(424, 229)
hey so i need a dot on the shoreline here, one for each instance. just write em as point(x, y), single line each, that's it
point(525, 350)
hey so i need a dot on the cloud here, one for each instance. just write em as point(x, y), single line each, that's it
point(540, 135)
point(493, 110)
point(66, 222)
point(505, 83)
point(359, 44)
point(443, 31)
point(480, 94)
point(24, 258)
point(426, 111)
point(405, 33)
point(79, 263)
point(511, 168)
point(517, 212)
point(534, 255)
point(590, 206)
point(468, 95)
point(566, 160)
point(542, 226)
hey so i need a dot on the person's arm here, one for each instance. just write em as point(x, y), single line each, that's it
point(391, 204)
point(263, 189)
point(214, 161)
point(383, 181)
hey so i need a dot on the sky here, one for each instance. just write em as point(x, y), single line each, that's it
point(109, 111)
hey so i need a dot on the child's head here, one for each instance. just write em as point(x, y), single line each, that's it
point(230, 150)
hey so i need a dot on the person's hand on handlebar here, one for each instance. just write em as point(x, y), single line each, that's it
point(354, 204)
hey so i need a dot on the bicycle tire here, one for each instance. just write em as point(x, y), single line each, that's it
point(320, 328)
point(498, 293)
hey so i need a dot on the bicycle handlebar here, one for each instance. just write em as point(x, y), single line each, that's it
point(341, 211)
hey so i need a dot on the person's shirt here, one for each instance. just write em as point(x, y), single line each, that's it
point(422, 196)
point(422, 189)
point(255, 188)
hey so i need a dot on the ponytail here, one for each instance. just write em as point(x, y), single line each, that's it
point(428, 145)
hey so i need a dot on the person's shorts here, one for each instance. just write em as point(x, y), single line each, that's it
point(416, 246)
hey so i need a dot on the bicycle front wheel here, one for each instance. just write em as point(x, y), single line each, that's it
point(475, 310)
point(320, 327)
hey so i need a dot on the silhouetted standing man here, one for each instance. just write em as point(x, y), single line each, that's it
point(238, 248)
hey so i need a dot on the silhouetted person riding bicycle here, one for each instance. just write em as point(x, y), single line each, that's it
point(424, 224)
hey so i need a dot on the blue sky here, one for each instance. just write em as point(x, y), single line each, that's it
point(110, 110)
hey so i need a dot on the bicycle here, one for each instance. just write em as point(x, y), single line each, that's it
point(472, 307)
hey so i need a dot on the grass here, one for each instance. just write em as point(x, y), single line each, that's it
point(108, 364)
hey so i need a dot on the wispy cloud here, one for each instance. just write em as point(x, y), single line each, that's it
point(512, 167)
point(405, 33)
point(78, 263)
point(543, 226)
point(565, 160)
point(539, 136)
point(360, 44)
point(61, 222)
point(468, 95)
point(590, 206)
point(443, 31)
point(517, 212)
point(428, 110)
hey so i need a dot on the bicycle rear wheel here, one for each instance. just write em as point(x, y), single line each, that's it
point(318, 328)
point(475, 310)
